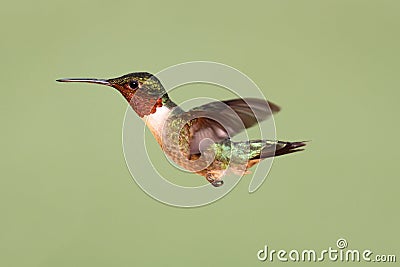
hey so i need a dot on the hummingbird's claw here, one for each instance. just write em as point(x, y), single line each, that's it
point(217, 183)
point(214, 182)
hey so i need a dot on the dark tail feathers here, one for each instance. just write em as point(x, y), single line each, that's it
point(282, 148)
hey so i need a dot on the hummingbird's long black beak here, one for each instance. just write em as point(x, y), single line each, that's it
point(85, 80)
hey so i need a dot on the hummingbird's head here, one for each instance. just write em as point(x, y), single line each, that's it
point(142, 90)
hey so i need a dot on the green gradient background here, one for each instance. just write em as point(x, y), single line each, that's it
point(66, 196)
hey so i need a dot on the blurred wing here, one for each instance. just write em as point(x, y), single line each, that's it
point(223, 119)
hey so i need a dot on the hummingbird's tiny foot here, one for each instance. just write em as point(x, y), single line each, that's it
point(217, 183)
point(214, 182)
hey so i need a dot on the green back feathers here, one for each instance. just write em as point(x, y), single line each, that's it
point(227, 150)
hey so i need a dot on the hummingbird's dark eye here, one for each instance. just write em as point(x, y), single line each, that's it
point(133, 84)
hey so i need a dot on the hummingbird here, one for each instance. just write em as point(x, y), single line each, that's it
point(199, 139)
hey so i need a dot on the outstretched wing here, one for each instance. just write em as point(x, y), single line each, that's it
point(223, 119)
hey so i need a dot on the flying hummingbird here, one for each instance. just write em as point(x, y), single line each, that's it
point(199, 140)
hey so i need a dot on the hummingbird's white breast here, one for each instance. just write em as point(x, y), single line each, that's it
point(156, 121)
